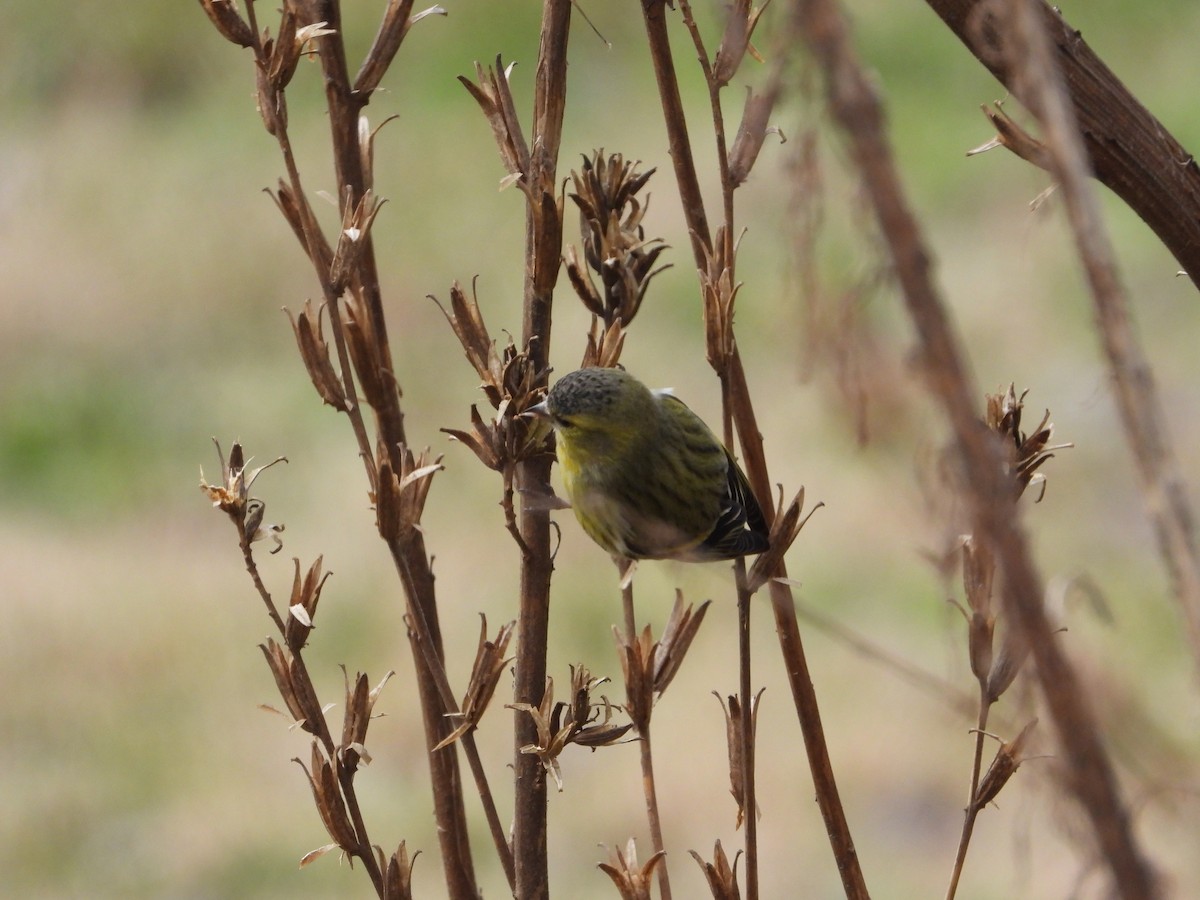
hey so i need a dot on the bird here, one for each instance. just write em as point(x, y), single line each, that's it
point(646, 477)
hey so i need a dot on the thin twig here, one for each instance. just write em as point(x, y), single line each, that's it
point(746, 727)
point(971, 813)
point(649, 785)
point(345, 775)
point(788, 629)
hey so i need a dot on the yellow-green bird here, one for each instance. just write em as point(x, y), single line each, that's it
point(646, 477)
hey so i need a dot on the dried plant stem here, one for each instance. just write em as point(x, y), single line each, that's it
point(787, 627)
point(252, 568)
point(1137, 397)
point(344, 106)
point(425, 649)
point(972, 810)
point(791, 648)
point(313, 244)
point(449, 809)
point(856, 108)
point(543, 249)
point(718, 117)
point(345, 776)
point(495, 826)
point(746, 727)
point(649, 788)
point(655, 15)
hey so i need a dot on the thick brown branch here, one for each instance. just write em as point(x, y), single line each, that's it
point(1130, 151)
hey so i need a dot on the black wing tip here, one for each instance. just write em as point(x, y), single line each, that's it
point(733, 541)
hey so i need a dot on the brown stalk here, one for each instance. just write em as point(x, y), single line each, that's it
point(360, 337)
point(543, 248)
point(643, 683)
point(748, 710)
point(736, 396)
point(409, 555)
point(857, 110)
point(338, 806)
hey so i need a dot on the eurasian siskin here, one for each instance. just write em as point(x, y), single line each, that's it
point(645, 475)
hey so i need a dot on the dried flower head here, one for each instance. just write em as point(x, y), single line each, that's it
point(360, 704)
point(735, 42)
point(737, 749)
point(752, 132)
point(648, 667)
point(719, 295)
point(397, 873)
point(232, 496)
point(314, 353)
point(489, 665)
point(494, 96)
point(1008, 759)
point(720, 874)
point(328, 796)
point(302, 606)
point(632, 881)
point(1027, 452)
point(512, 384)
point(615, 246)
point(578, 722)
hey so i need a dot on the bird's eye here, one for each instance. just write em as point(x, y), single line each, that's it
point(563, 422)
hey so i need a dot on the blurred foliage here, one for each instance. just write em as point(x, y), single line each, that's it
point(144, 272)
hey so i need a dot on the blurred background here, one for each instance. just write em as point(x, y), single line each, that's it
point(144, 271)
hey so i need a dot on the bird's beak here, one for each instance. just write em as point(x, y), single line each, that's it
point(538, 411)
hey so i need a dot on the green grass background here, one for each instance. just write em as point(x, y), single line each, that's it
point(143, 273)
